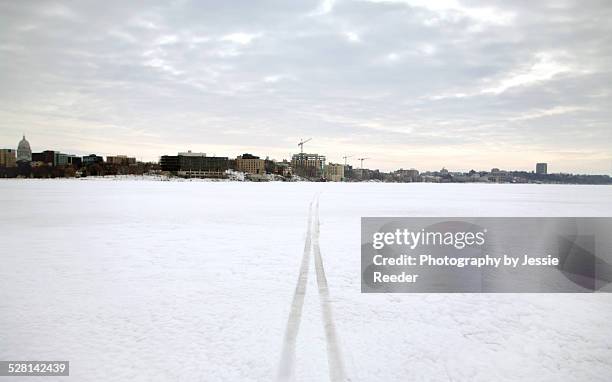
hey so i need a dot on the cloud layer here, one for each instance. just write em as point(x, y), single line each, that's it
point(409, 83)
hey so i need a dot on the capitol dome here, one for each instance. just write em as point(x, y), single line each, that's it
point(24, 152)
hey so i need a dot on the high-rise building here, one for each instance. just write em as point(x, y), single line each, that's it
point(308, 165)
point(47, 157)
point(334, 172)
point(92, 159)
point(75, 161)
point(402, 175)
point(251, 164)
point(122, 160)
point(195, 165)
point(60, 159)
point(7, 158)
point(542, 168)
point(24, 152)
point(170, 163)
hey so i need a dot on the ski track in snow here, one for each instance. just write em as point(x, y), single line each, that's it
point(287, 363)
point(334, 358)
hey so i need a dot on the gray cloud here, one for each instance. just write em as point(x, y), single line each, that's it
point(410, 83)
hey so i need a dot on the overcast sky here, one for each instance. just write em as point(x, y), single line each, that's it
point(408, 83)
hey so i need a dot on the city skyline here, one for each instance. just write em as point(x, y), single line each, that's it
point(407, 83)
point(540, 167)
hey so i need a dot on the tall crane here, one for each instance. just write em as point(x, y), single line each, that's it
point(345, 157)
point(301, 144)
point(361, 160)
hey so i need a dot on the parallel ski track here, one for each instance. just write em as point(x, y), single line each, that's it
point(288, 357)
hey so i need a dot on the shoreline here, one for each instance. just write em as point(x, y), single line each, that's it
point(161, 178)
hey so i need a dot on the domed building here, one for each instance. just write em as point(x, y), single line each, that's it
point(24, 152)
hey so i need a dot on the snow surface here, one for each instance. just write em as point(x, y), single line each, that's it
point(193, 281)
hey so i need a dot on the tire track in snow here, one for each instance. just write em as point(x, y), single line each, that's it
point(334, 358)
point(287, 363)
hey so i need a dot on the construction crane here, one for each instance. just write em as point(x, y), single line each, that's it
point(361, 160)
point(301, 144)
point(345, 158)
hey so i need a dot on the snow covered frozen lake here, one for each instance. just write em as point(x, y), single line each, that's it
point(194, 281)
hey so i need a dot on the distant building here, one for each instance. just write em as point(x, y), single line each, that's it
point(405, 176)
point(284, 168)
point(270, 165)
point(46, 157)
point(250, 164)
point(24, 152)
point(8, 158)
point(60, 159)
point(542, 168)
point(359, 174)
point(170, 163)
point(122, 160)
point(53, 159)
point(430, 178)
point(195, 165)
point(364, 174)
point(308, 165)
point(348, 172)
point(203, 167)
point(499, 176)
point(75, 161)
point(334, 172)
point(278, 168)
point(92, 159)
